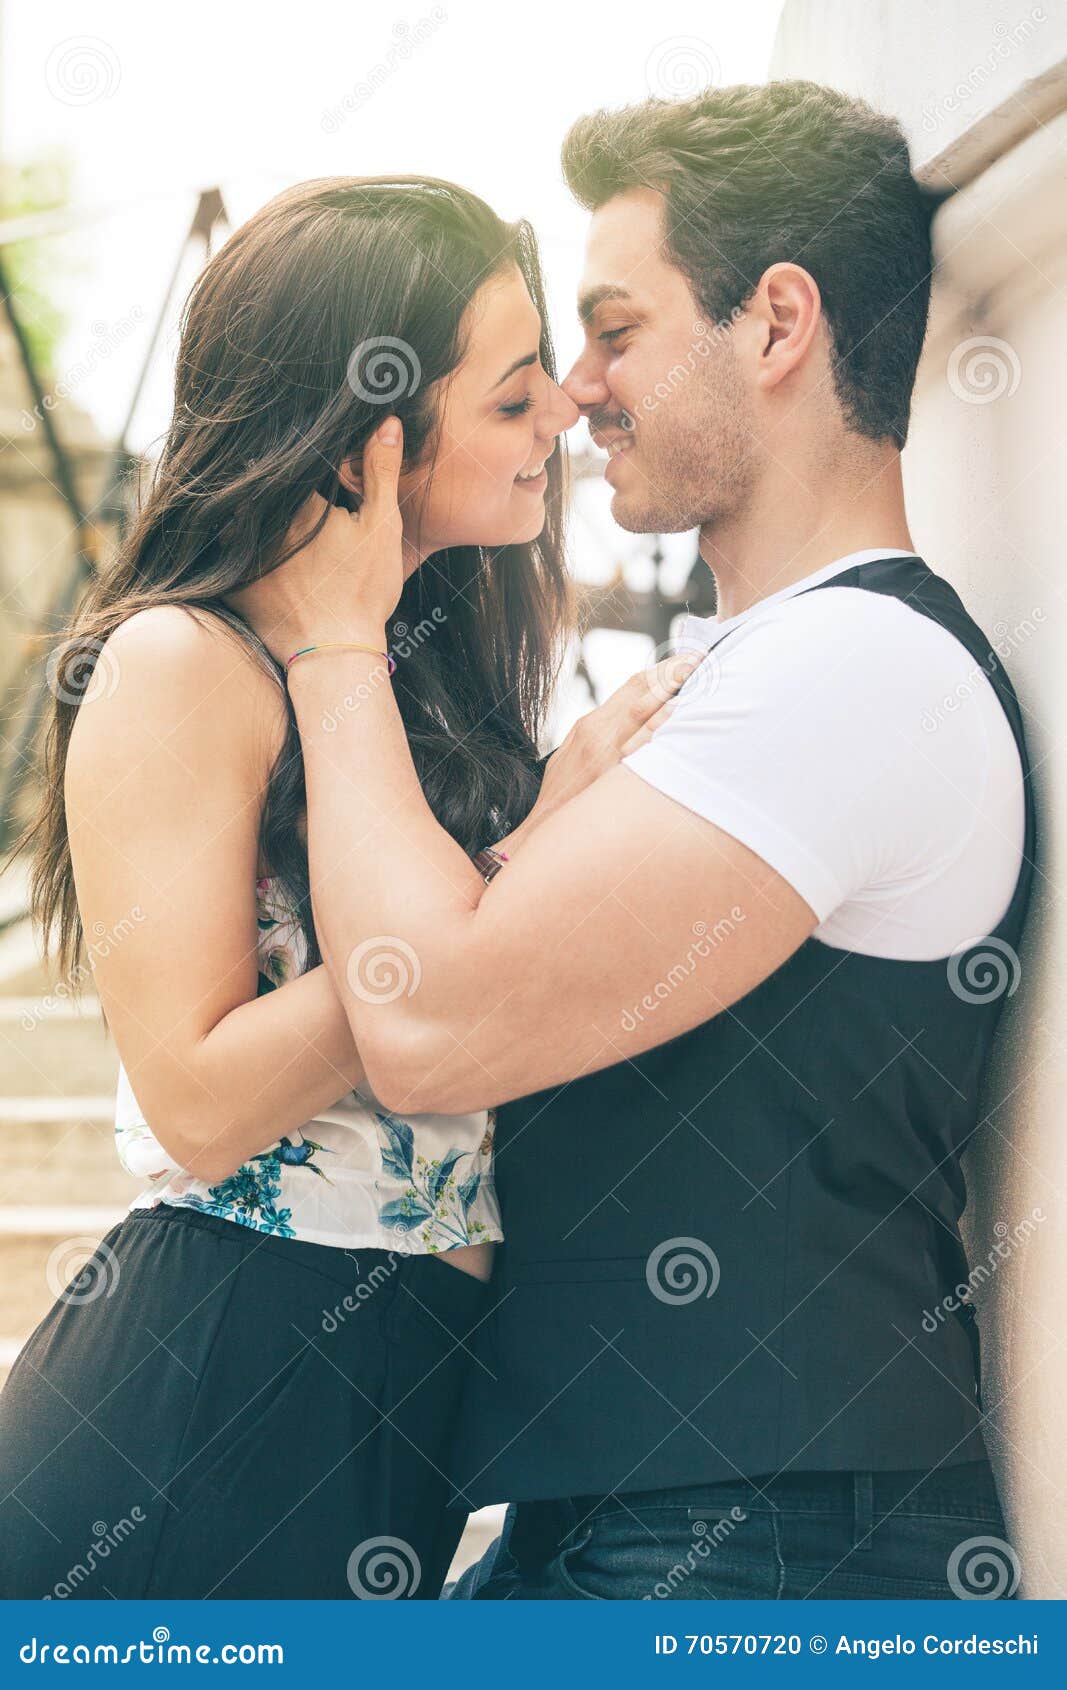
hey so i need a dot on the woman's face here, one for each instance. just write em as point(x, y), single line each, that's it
point(482, 481)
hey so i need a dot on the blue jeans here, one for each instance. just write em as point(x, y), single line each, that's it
point(858, 1535)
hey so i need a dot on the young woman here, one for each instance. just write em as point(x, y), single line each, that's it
point(249, 1391)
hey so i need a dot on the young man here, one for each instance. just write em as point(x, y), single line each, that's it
point(793, 1411)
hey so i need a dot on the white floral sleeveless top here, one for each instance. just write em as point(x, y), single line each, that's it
point(356, 1176)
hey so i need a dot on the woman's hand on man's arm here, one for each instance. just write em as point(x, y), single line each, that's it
point(603, 736)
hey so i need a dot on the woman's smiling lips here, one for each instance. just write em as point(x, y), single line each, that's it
point(535, 483)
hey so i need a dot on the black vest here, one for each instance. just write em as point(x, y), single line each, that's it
point(732, 1254)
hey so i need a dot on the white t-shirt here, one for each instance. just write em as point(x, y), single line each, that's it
point(856, 746)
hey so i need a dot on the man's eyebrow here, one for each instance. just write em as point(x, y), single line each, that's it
point(519, 364)
point(588, 301)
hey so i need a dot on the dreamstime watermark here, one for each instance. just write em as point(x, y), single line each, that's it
point(95, 1278)
point(333, 1319)
point(983, 1569)
point(1009, 1240)
point(107, 337)
point(705, 339)
point(160, 1651)
point(704, 942)
point(383, 369)
point(1007, 39)
point(983, 970)
point(382, 969)
point(682, 1270)
point(384, 1569)
point(982, 369)
point(681, 66)
point(103, 941)
point(705, 1541)
point(105, 1539)
point(82, 70)
point(1005, 642)
point(405, 643)
point(676, 676)
point(406, 38)
point(79, 670)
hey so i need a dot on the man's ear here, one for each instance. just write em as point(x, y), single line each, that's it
point(789, 310)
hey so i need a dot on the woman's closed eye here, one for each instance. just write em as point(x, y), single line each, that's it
point(519, 408)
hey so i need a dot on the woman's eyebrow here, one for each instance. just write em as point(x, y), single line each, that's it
point(519, 364)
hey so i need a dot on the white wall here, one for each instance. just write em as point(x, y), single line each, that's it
point(982, 94)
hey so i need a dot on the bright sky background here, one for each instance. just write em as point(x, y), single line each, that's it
point(154, 104)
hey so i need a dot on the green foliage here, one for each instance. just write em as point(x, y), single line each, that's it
point(41, 184)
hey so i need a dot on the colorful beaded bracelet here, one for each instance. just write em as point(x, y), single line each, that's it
point(343, 645)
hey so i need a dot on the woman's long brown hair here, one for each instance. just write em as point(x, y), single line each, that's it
point(281, 374)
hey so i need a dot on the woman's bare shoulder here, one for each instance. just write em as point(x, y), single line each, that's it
point(184, 676)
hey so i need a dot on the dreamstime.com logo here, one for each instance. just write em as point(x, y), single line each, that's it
point(984, 1569)
point(680, 67)
point(92, 1279)
point(705, 339)
point(383, 370)
point(107, 338)
point(147, 1652)
point(705, 940)
point(983, 369)
point(98, 941)
point(705, 1539)
point(405, 642)
point(679, 681)
point(382, 969)
point(983, 970)
point(384, 1569)
point(1006, 40)
point(79, 671)
point(680, 1270)
point(105, 1539)
point(1009, 1239)
point(1006, 640)
point(82, 70)
point(406, 37)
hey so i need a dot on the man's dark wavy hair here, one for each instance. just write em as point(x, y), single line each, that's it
point(791, 171)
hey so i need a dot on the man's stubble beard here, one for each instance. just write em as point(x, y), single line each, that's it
point(696, 472)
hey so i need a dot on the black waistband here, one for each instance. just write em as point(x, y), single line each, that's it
point(967, 1482)
point(444, 1288)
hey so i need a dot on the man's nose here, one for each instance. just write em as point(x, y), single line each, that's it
point(585, 385)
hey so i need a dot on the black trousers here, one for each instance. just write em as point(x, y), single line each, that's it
point(208, 1411)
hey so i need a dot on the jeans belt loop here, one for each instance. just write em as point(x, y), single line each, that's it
point(863, 1508)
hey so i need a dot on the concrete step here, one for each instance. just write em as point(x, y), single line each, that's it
point(23, 974)
point(68, 1159)
point(21, 969)
point(52, 1053)
point(41, 1250)
point(480, 1531)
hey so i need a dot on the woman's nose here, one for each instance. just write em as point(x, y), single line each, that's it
point(562, 412)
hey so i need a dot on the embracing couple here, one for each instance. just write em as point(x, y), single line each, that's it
point(582, 1133)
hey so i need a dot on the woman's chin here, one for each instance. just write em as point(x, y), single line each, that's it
point(519, 531)
point(521, 522)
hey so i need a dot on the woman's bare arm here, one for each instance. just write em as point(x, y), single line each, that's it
point(164, 786)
